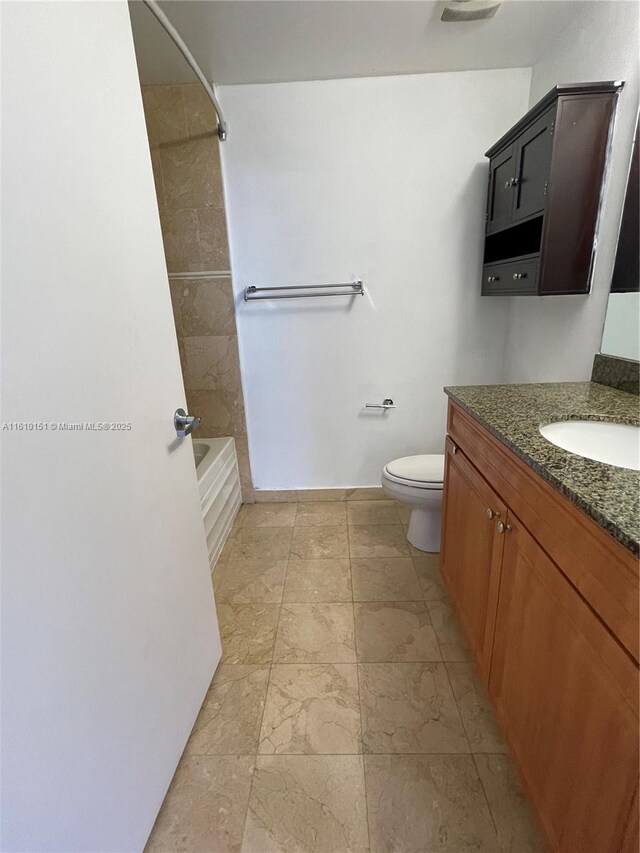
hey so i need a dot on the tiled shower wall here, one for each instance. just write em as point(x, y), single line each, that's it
point(181, 124)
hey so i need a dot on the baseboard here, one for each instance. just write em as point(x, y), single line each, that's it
point(373, 493)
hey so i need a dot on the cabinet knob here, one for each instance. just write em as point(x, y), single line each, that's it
point(512, 182)
point(491, 513)
point(518, 275)
point(501, 527)
point(491, 278)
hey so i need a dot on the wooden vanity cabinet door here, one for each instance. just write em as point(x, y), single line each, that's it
point(471, 551)
point(566, 694)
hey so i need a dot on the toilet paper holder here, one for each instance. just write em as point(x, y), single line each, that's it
point(386, 404)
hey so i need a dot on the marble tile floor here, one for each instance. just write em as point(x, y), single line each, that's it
point(346, 714)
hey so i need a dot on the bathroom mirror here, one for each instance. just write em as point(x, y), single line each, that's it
point(621, 335)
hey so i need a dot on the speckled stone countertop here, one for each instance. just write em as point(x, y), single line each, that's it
point(513, 414)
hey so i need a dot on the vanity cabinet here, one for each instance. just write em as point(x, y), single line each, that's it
point(564, 693)
point(549, 603)
point(471, 563)
point(545, 183)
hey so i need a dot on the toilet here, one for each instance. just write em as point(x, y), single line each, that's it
point(417, 482)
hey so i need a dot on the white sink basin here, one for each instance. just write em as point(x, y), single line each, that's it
point(615, 444)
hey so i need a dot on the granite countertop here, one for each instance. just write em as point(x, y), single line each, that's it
point(513, 414)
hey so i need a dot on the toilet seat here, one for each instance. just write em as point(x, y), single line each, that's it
point(425, 471)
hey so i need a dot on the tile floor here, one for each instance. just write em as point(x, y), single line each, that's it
point(345, 714)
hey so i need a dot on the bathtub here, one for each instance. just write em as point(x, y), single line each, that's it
point(219, 487)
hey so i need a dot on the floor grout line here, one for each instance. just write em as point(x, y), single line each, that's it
point(266, 696)
point(355, 648)
point(484, 791)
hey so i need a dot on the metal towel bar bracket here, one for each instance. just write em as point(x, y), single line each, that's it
point(252, 293)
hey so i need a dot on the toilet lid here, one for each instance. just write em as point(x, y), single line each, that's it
point(426, 468)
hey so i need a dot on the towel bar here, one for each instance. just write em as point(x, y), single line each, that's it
point(353, 288)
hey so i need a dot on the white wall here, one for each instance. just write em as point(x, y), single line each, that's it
point(382, 179)
point(555, 338)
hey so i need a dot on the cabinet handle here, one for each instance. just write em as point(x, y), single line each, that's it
point(491, 278)
point(454, 450)
point(512, 182)
point(491, 513)
point(501, 527)
point(518, 275)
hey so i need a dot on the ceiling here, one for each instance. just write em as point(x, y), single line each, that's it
point(264, 42)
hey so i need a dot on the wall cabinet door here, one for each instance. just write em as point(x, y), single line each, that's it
point(533, 159)
point(566, 695)
point(501, 179)
point(472, 551)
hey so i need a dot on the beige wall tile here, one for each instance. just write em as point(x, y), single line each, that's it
point(320, 494)
point(180, 237)
point(199, 111)
point(164, 113)
point(212, 364)
point(244, 465)
point(185, 157)
point(204, 306)
point(191, 174)
point(372, 494)
point(222, 412)
point(268, 495)
point(212, 234)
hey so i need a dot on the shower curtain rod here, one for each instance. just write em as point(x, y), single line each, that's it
point(153, 6)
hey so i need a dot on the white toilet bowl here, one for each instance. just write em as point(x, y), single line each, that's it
point(417, 482)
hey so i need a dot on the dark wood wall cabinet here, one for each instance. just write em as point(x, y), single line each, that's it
point(549, 603)
point(545, 184)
